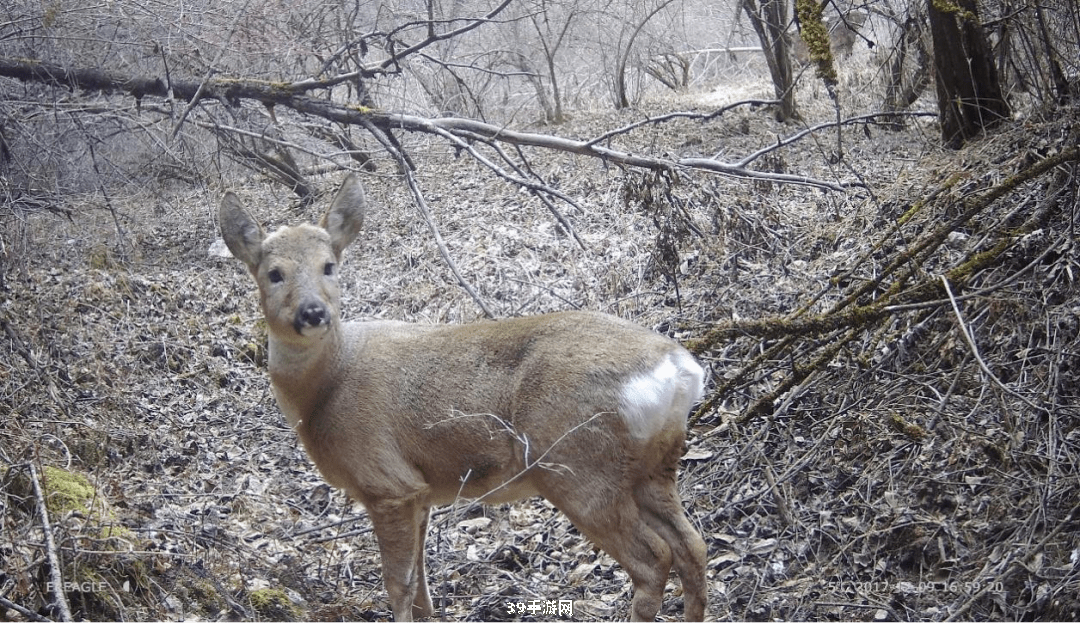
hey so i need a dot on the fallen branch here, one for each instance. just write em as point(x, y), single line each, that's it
point(471, 129)
point(863, 119)
point(680, 115)
point(293, 96)
point(56, 579)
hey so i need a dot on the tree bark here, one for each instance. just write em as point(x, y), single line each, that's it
point(969, 93)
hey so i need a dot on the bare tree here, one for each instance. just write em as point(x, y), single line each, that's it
point(671, 69)
point(769, 19)
point(1035, 50)
point(539, 41)
point(908, 63)
point(621, 98)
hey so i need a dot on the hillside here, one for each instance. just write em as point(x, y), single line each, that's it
point(907, 474)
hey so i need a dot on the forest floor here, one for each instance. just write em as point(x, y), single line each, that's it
point(911, 475)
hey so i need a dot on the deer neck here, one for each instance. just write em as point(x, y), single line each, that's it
point(303, 373)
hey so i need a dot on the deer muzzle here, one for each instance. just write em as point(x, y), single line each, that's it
point(311, 315)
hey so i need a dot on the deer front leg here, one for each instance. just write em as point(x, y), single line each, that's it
point(422, 607)
point(399, 527)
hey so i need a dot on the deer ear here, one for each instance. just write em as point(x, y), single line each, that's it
point(346, 214)
point(243, 235)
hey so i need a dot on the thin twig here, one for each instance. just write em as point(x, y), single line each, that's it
point(1013, 564)
point(56, 580)
point(970, 340)
point(778, 496)
point(542, 197)
point(197, 97)
point(679, 115)
point(421, 205)
point(746, 160)
point(26, 613)
point(537, 189)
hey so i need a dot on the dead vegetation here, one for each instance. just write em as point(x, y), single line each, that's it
point(880, 443)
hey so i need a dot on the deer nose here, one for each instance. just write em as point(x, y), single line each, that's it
point(311, 314)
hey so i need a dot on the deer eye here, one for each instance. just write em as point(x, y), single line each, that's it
point(275, 276)
point(328, 268)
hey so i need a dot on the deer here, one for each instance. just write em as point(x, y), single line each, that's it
point(582, 408)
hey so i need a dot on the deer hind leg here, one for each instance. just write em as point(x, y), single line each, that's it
point(619, 527)
point(400, 527)
point(662, 509)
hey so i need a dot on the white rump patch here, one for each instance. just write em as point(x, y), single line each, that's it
point(652, 400)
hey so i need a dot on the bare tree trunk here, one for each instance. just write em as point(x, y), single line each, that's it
point(969, 94)
point(1061, 83)
point(536, 79)
point(557, 116)
point(622, 100)
point(551, 43)
point(769, 20)
point(909, 70)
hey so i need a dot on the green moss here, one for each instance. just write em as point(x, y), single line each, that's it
point(101, 258)
point(910, 429)
point(948, 7)
point(815, 34)
point(67, 491)
point(90, 593)
point(115, 531)
point(203, 596)
point(274, 605)
point(92, 449)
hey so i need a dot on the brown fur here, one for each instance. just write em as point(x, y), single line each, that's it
point(584, 409)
